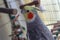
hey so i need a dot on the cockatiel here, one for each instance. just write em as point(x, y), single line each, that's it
point(35, 27)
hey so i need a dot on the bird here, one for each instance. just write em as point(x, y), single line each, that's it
point(36, 29)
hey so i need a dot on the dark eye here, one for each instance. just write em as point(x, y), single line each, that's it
point(27, 10)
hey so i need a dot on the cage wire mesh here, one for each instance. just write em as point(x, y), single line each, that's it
point(51, 13)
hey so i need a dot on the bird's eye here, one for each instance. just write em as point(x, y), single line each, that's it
point(27, 10)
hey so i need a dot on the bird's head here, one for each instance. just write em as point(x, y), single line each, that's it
point(29, 13)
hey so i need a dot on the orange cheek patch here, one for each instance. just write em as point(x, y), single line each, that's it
point(30, 15)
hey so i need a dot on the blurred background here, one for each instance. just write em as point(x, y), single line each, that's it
point(50, 17)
